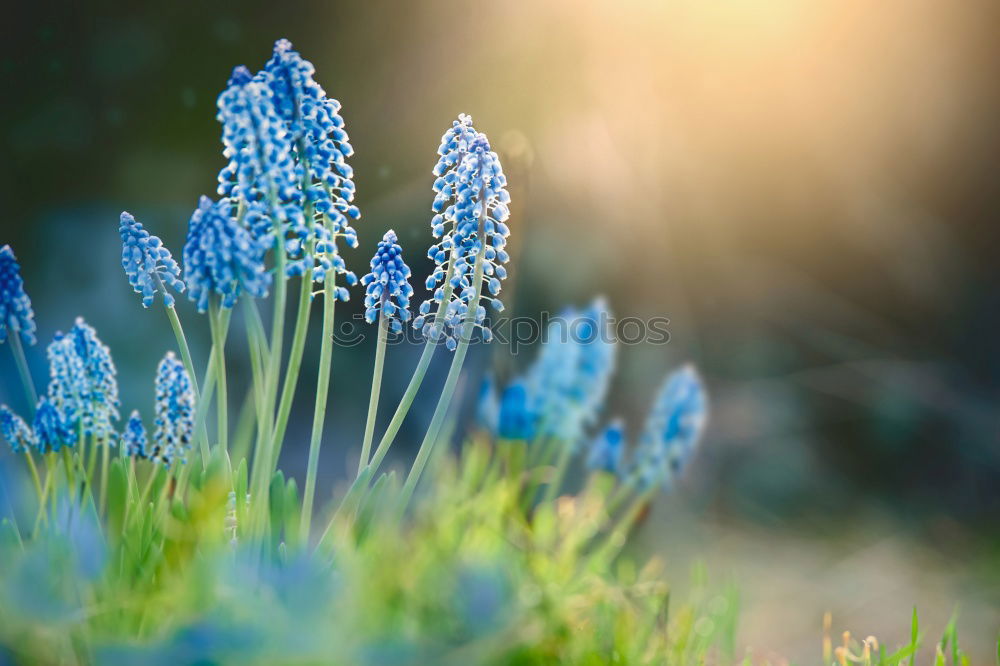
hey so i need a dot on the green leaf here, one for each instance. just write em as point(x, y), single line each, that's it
point(276, 506)
point(291, 513)
point(117, 496)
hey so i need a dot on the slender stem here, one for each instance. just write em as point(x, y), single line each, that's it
point(366, 445)
point(49, 464)
point(418, 377)
point(565, 454)
point(149, 486)
point(450, 383)
point(294, 364)
point(319, 409)
point(219, 345)
point(201, 411)
point(34, 473)
point(105, 463)
point(22, 368)
point(175, 324)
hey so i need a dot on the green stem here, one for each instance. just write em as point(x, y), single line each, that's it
point(219, 346)
point(451, 381)
point(175, 324)
point(105, 463)
point(366, 445)
point(50, 463)
point(294, 364)
point(319, 409)
point(22, 368)
point(201, 411)
point(34, 473)
point(418, 377)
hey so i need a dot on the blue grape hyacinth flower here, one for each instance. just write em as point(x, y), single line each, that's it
point(471, 209)
point(134, 437)
point(15, 306)
point(673, 429)
point(388, 290)
point(149, 266)
point(221, 257)
point(51, 430)
point(83, 384)
point(318, 138)
point(261, 174)
point(15, 430)
point(608, 448)
point(175, 411)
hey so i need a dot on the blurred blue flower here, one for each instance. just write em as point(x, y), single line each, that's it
point(82, 381)
point(134, 437)
point(516, 420)
point(175, 411)
point(672, 430)
point(15, 430)
point(488, 405)
point(388, 290)
point(51, 430)
point(15, 306)
point(607, 448)
point(221, 257)
point(471, 206)
point(149, 266)
point(552, 381)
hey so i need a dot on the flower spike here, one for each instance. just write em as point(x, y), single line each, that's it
point(15, 306)
point(388, 289)
point(134, 437)
point(15, 430)
point(673, 429)
point(175, 410)
point(149, 266)
point(261, 174)
point(607, 448)
point(52, 432)
point(471, 206)
point(83, 384)
point(221, 257)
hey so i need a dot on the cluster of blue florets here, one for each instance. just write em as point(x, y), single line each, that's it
point(562, 394)
point(221, 257)
point(149, 266)
point(82, 382)
point(15, 430)
point(175, 412)
point(388, 288)
point(15, 306)
point(471, 209)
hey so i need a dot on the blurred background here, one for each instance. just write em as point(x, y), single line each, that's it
point(806, 188)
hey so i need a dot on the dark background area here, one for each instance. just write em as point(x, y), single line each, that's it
point(807, 190)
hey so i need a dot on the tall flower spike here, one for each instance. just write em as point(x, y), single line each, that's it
point(134, 437)
point(607, 448)
point(221, 257)
point(387, 288)
point(673, 429)
point(83, 384)
point(149, 266)
point(52, 432)
point(595, 361)
point(174, 411)
point(321, 146)
point(15, 430)
point(15, 306)
point(471, 206)
point(261, 174)
point(552, 381)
